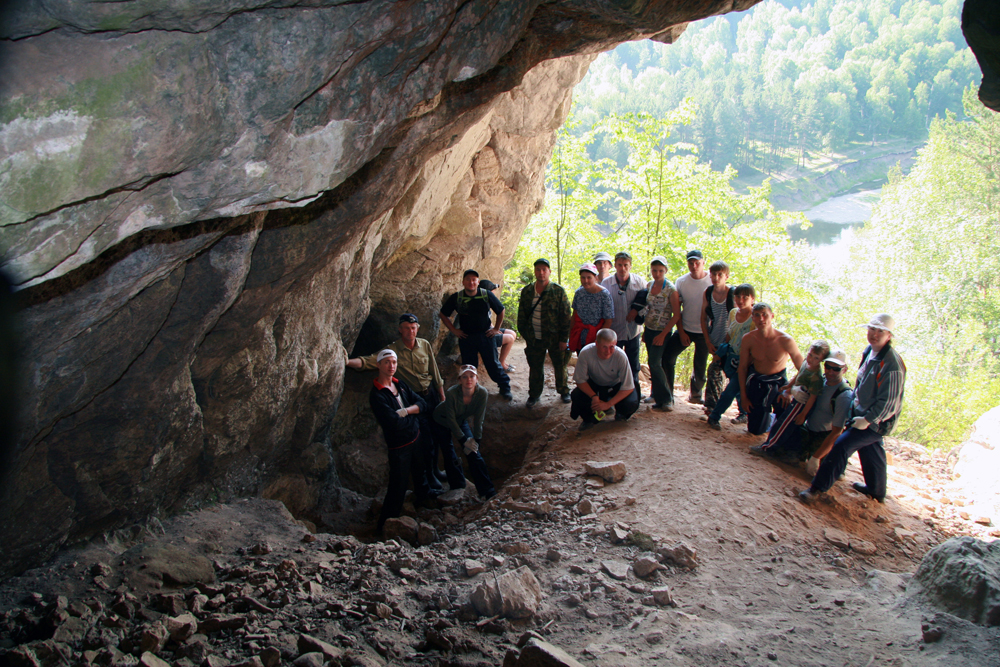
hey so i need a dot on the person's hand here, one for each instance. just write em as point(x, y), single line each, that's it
point(470, 446)
point(402, 413)
point(800, 419)
point(563, 346)
point(660, 338)
point(460, 334)
point(685, 339)
point(747, 405)
point(595, 403)
point(711, 348)
point(490, 333)
point(784, 398)
point(860, 423)
point(631, 316)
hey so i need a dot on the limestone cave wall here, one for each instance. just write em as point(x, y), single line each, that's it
point(201, 204)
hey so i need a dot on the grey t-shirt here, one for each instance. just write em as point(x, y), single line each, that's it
point(822, 417)
point(604, 372)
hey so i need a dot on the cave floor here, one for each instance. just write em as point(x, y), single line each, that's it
point(776, 582)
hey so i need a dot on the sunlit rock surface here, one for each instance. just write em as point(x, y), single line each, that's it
point(202, 204)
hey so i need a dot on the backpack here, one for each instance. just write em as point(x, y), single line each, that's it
point(463, 302)
point(841, 388)
point(730, 303)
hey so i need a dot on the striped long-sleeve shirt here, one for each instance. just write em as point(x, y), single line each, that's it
point(879, 394)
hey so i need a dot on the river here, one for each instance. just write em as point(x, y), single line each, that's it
point(833, 225)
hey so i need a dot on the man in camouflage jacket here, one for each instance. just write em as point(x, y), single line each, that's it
point(543, 319)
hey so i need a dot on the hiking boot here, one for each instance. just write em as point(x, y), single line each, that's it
point(758, 450)
point(714, 423)
point(506, 395)
point(697, 400)
point(566, 398)
point(587, 425)
point(663, 407)
point(862, 489)
point(808, 496)
point(532, 402)
point(741, 419)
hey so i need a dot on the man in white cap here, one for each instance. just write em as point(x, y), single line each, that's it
point(396, 407)
point(603, 262)
point(878, 400)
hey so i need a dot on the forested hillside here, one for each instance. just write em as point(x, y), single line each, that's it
point(793, 77)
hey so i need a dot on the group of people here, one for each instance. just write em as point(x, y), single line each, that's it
point(817, 418)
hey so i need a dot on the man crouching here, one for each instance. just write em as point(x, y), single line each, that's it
point(603, 381)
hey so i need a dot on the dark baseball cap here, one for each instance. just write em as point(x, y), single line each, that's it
point(542, 260)
point(468, 271)
point(695, 254)
point(408, 318)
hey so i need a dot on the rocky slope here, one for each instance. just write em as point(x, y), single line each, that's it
point(202, 204)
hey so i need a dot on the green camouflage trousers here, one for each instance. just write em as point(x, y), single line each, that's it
point(535, 351)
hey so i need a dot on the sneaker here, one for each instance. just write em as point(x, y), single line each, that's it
point(697, 400)
point(566, 398)
point(862, 489)
point(663, 407)
point(741, 419)
point(584, 426)
point(714, 423)
point(808, 496)
point(758, 450)
point(649, 399)
point(506, 395)
point(532, 402)
point(510, 368)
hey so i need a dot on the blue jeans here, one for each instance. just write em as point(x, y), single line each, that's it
point(726, 398)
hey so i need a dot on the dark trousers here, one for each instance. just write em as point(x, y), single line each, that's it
point(534, 352)
point(762, 391)
point(784, 427)
point(715, 380)
point(435, 438)
point(674, 349)
point(478, 345)
point(631, 348)
point(477, 467)
point(580, 406)
point(868, 445)
point(404, 462)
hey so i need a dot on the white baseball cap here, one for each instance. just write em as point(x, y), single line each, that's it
point(467, 368)
point(384, 354)
point(836, 357)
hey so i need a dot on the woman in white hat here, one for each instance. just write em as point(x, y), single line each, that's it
point(396, 407)
point(462, 402)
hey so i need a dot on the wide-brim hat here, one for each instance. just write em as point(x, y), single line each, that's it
point(603, 257)
point(881, 321)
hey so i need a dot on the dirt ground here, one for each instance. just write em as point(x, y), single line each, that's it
point(776, 581)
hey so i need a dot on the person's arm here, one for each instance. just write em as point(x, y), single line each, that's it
point(366, 363)
point(435, 372)
point(793, 352)
point(384, 411)
point(827, 443)
point(801, 418)
point(564, 320)
point(497, 308)
point(480, 415)
point(746, 350)
point(446, 321)
point(620, 396)
point(523, 306)
point(704, 323)
point(888, 398)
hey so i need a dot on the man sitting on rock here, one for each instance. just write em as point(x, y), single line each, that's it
point(603, 381)
point(764, 355)
point(878, 400)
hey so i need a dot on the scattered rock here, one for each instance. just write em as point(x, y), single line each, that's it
point(610, 471)
point(617, 535)
point(150, 660)
point(553, 555)
point(426, 534)
point(863, 547)
point(309, 644)
point(900, 534)
point(585, 507)
point(930, 633)
point(473, 567)
point(654, 637)
point(837, 538)
point(644, 567)
point(515, 594)
point(181, 627)
point(156, 564)
point(615, 569)
point(310, 660)
point(679, 554)
point(404, 528)
point(538, 653)
point(662, 597)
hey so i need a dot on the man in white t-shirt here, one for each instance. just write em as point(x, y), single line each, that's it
point(603, 381)
point(623, 285)
point(691, 288)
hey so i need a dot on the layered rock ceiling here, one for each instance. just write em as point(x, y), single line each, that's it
point(201, 204)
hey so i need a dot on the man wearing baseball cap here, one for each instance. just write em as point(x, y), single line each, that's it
point(475, 332)
point(623, 285)
point(418, 368)
point(544, 318)
point(878, 400)
point(691, 287)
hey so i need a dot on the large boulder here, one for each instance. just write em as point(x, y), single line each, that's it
point(962, 577)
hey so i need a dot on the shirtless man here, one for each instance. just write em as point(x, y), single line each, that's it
point(764, 356)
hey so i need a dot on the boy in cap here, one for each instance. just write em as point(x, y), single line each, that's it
point(476, 334)
point(467, 400)
point(544, 318)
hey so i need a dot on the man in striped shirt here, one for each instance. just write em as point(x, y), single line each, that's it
point(878, 400)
